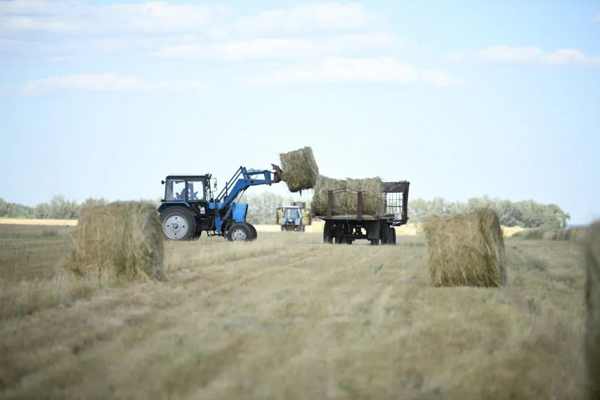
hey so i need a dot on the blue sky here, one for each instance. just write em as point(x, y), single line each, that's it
point(464, 99)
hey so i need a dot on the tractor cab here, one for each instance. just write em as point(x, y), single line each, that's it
point(188, 188)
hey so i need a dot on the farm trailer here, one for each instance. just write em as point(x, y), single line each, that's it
point(345, 229)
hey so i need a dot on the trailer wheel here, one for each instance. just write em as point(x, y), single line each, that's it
point(253, 230)
point(384, 234)
point(239, 232)
point(327, 237)
point(393, 232)
point(178, 223)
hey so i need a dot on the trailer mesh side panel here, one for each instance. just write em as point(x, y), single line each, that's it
point(394, 204)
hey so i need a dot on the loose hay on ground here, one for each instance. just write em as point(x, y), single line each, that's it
point(345, 198)
point(466, 249)
point(122, 239)
point(300, 170)
point(592, 300)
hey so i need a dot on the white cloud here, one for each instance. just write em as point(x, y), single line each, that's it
point(68, 16)
point(434, 77)
point(309, 18)
point(570, 57)
point(361, 42)
point(103, 83)
point(346, 70)
point(364, 45)
point(529, 55)
point(354, 70)
point(241, 50)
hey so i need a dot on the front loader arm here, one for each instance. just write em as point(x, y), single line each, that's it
point(237, 185)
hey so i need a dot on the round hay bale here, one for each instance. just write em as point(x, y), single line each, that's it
point(123, 240)
point(345, 198)
point(592, 304)
point(300, 170)
point(466, 249)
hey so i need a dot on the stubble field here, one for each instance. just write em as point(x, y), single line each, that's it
point(288, 317)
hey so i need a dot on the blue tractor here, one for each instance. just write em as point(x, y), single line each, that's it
point(190, 207)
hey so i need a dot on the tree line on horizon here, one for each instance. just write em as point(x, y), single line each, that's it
point(262, 209)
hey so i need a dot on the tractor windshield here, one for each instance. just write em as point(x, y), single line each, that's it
point(175, 190)
point(292, 213)
point(196, 190)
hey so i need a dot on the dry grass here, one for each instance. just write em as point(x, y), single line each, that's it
point(573, 234)
point(41, 222)
point(288, 317)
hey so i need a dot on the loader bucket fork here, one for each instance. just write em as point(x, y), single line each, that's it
point(277, 173)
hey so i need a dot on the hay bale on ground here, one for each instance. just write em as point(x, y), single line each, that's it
point(300, 170)
point(345, 199)
point(592, 302)
point(122, 240)
point(466, 249)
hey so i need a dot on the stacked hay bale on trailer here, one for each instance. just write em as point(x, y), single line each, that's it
point(466, 249)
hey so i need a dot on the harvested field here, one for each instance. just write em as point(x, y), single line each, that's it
point(574, 234)
point(289, 317)
point(40, 222)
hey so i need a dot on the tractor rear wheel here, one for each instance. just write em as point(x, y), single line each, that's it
point(239, 232)
point(178, 223)
point(253, 230)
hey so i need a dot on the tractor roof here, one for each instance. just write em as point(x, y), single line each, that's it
point(181, 176)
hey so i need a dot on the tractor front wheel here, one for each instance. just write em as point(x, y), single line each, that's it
point(239, 232)
point(178, 223)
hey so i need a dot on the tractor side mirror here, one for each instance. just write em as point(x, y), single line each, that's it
point(214, 183)
point(162, 182)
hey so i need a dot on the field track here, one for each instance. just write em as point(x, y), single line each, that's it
point(289, 317)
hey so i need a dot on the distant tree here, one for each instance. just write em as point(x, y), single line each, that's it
point(42, 211)
point(262, 208)
point(14, 210)
point(527, 214)
point(3, 207)
point(61, 208)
